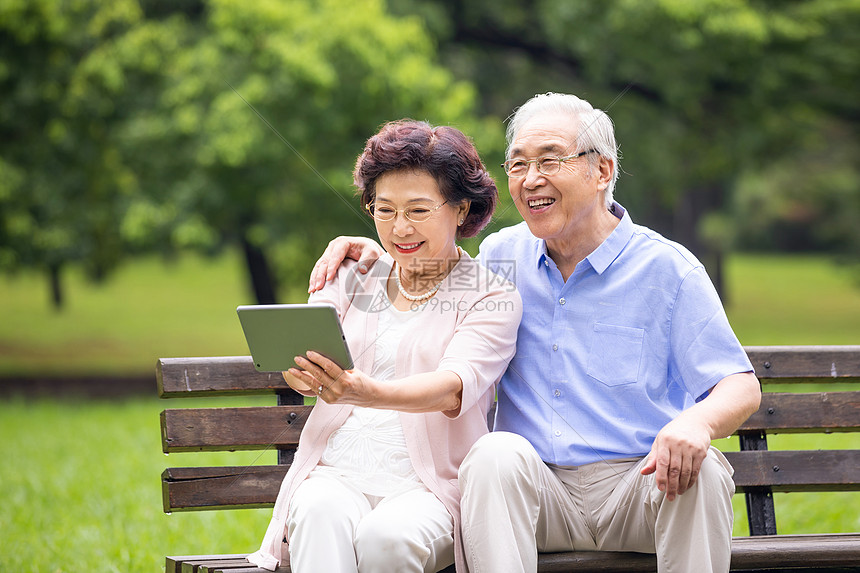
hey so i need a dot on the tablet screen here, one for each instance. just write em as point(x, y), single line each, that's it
point(277, 333)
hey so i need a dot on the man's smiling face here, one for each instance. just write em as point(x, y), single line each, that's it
point(554, 206)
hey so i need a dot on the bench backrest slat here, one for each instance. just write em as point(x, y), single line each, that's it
point(805, 363)
point(219, 429)
point(222, 375)
point(812, 412)
point(254, 428)
point(245, 487)
point(186, 377)
point(814, 470)
point(199, 488)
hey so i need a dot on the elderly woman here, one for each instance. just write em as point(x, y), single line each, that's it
point(373, 486)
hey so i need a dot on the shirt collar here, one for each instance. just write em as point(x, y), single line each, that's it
point(542, 257)
point(612, 246)
point(608, 251)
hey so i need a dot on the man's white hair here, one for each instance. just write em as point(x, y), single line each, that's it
point(595, 129)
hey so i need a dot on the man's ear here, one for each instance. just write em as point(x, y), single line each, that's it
point(604, 172)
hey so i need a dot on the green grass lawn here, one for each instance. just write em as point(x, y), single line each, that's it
point(777, 299)
point(80, 479)
point(81, 490)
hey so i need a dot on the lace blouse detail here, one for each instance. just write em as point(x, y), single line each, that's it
point(370, 448)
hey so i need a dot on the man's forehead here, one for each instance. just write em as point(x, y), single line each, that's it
point(545, 134)
point(539, 146)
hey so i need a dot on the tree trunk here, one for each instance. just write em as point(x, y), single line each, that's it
point(56, 284)
point(691, 207)
point(259, 272)
point(714, 263)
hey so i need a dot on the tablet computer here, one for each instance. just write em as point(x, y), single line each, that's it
point(277, 333)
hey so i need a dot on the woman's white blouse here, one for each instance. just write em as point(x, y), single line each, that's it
point(370, 448)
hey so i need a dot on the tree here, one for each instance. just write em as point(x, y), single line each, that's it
point(701, 92)
point(68, 82)
point(156, 126)
point(808, 201)
point(262, 116)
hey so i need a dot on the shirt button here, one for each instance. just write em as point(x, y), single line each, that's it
point(555, 346)
point(557, 393)
point(561, 301)
point(557, 433)
point(546, 263)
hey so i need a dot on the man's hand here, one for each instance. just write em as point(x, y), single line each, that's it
point(361, 249)
point(681, 446)
point(677, 455)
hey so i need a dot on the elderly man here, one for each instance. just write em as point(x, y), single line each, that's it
point(626, 368)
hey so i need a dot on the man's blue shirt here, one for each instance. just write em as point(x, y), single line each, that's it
point(606, 359)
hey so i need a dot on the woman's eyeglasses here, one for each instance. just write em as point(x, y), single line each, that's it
point(415, 213)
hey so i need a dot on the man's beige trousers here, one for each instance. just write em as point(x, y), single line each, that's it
point(515, 505)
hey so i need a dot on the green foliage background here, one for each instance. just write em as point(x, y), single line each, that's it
point(153, 127)
point(134, 132)
point(133, 126)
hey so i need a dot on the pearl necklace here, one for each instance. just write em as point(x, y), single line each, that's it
point(413, 297)
point(419, 297)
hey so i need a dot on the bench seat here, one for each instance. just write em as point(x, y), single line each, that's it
point(827, 552)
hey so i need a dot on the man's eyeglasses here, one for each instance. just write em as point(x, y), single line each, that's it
point(546, 165)
point(415, 213)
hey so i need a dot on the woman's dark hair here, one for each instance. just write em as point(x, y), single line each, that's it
point(443, 152)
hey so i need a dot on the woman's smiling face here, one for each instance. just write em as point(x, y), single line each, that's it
point(417, 247)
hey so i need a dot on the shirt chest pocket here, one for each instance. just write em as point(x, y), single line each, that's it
point(616, 353)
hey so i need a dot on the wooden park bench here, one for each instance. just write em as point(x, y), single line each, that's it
point(758, 471)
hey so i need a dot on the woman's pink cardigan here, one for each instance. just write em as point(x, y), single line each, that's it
point(469, 327)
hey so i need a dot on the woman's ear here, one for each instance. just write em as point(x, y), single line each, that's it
point(462, 211)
